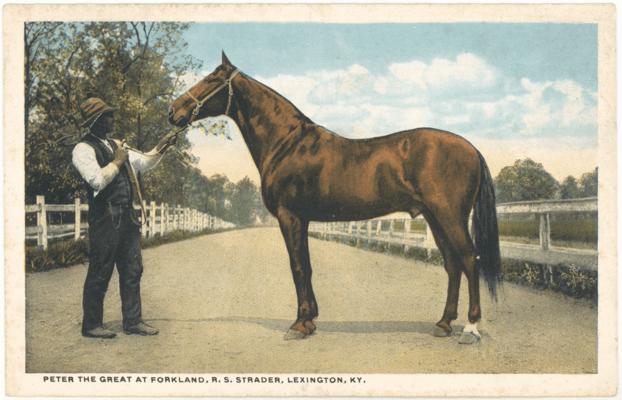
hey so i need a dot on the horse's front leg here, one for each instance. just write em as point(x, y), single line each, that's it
point(295, 233)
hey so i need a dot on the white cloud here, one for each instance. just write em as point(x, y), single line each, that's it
point(465, 94)
point(467, 71)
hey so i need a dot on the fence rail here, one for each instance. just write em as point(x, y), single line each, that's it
point(385, 230)
point(160, 219)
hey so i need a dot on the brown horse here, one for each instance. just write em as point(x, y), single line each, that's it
point(309, 173)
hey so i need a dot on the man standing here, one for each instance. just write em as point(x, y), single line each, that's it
point(108, 169)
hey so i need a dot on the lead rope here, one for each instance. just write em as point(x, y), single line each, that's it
point(134, 182)
point(139, 193)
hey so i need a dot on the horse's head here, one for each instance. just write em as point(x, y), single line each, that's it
point(208, 98)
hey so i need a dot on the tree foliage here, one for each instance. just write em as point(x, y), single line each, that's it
point(525, 180)
point(588, 184)
point(134, 66)
point(569, 189)
point(528, 180)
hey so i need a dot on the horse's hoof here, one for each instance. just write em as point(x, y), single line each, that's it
point(468, 338)
point(293, 334)
point(440, 332)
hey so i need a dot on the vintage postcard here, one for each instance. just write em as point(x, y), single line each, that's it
point(310, 200)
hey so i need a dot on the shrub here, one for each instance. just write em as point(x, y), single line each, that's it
point(58, 255)
point(578, 282)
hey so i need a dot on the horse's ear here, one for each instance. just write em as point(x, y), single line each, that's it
point(225, 60)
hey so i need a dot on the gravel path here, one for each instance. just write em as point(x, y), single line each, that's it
point(222, 303)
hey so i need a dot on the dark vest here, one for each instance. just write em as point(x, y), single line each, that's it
point(118, 192)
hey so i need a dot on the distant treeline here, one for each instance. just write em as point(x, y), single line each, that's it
point(528, 180)
point(137, 67)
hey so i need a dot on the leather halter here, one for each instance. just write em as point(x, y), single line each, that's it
point(199, 103)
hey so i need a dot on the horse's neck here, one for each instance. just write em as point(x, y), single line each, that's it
point(264, 117)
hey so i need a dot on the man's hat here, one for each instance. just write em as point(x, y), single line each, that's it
point(92, 109)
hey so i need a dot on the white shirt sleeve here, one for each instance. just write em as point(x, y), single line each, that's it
point(142, 162)
point(85, 161)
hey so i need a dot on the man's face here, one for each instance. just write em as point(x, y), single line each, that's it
point(104, 125)
point(108, 122)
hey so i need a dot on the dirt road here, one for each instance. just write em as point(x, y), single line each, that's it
point(223, 303)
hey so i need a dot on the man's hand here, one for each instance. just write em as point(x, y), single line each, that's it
point(120, 156)
point(167, 141)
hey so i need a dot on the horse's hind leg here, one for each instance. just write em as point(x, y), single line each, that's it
point(454, 274)
point(460, 250)
point(295, 233)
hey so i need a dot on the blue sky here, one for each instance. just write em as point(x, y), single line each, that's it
point(514, 90)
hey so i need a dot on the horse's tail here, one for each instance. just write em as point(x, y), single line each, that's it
point(486, 230)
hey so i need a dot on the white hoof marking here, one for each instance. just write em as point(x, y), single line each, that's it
point(472, 328)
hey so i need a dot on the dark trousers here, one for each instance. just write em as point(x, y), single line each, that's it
point(114, 238)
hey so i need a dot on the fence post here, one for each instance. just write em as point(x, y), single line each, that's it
point(406, 234)
point(391, 228)
point(187, 225)
point(169, 222)
point(178, 217)
point(429, 240)
point(162, 220)
point(152, 218)
point(42, 223)
point(171, 210)
point(77, 220)
point(545, 231)
point(406, 228)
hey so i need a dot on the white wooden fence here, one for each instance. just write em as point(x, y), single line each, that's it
point(161, 219)
point(378, 231)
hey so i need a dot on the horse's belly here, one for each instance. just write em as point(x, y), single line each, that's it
point(348, 208)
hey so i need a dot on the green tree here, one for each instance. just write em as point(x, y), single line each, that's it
point(137, 67)
point(525, 180)
point(569, 188)
point(245, 202)
point(588, 184)
point(134, 66)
